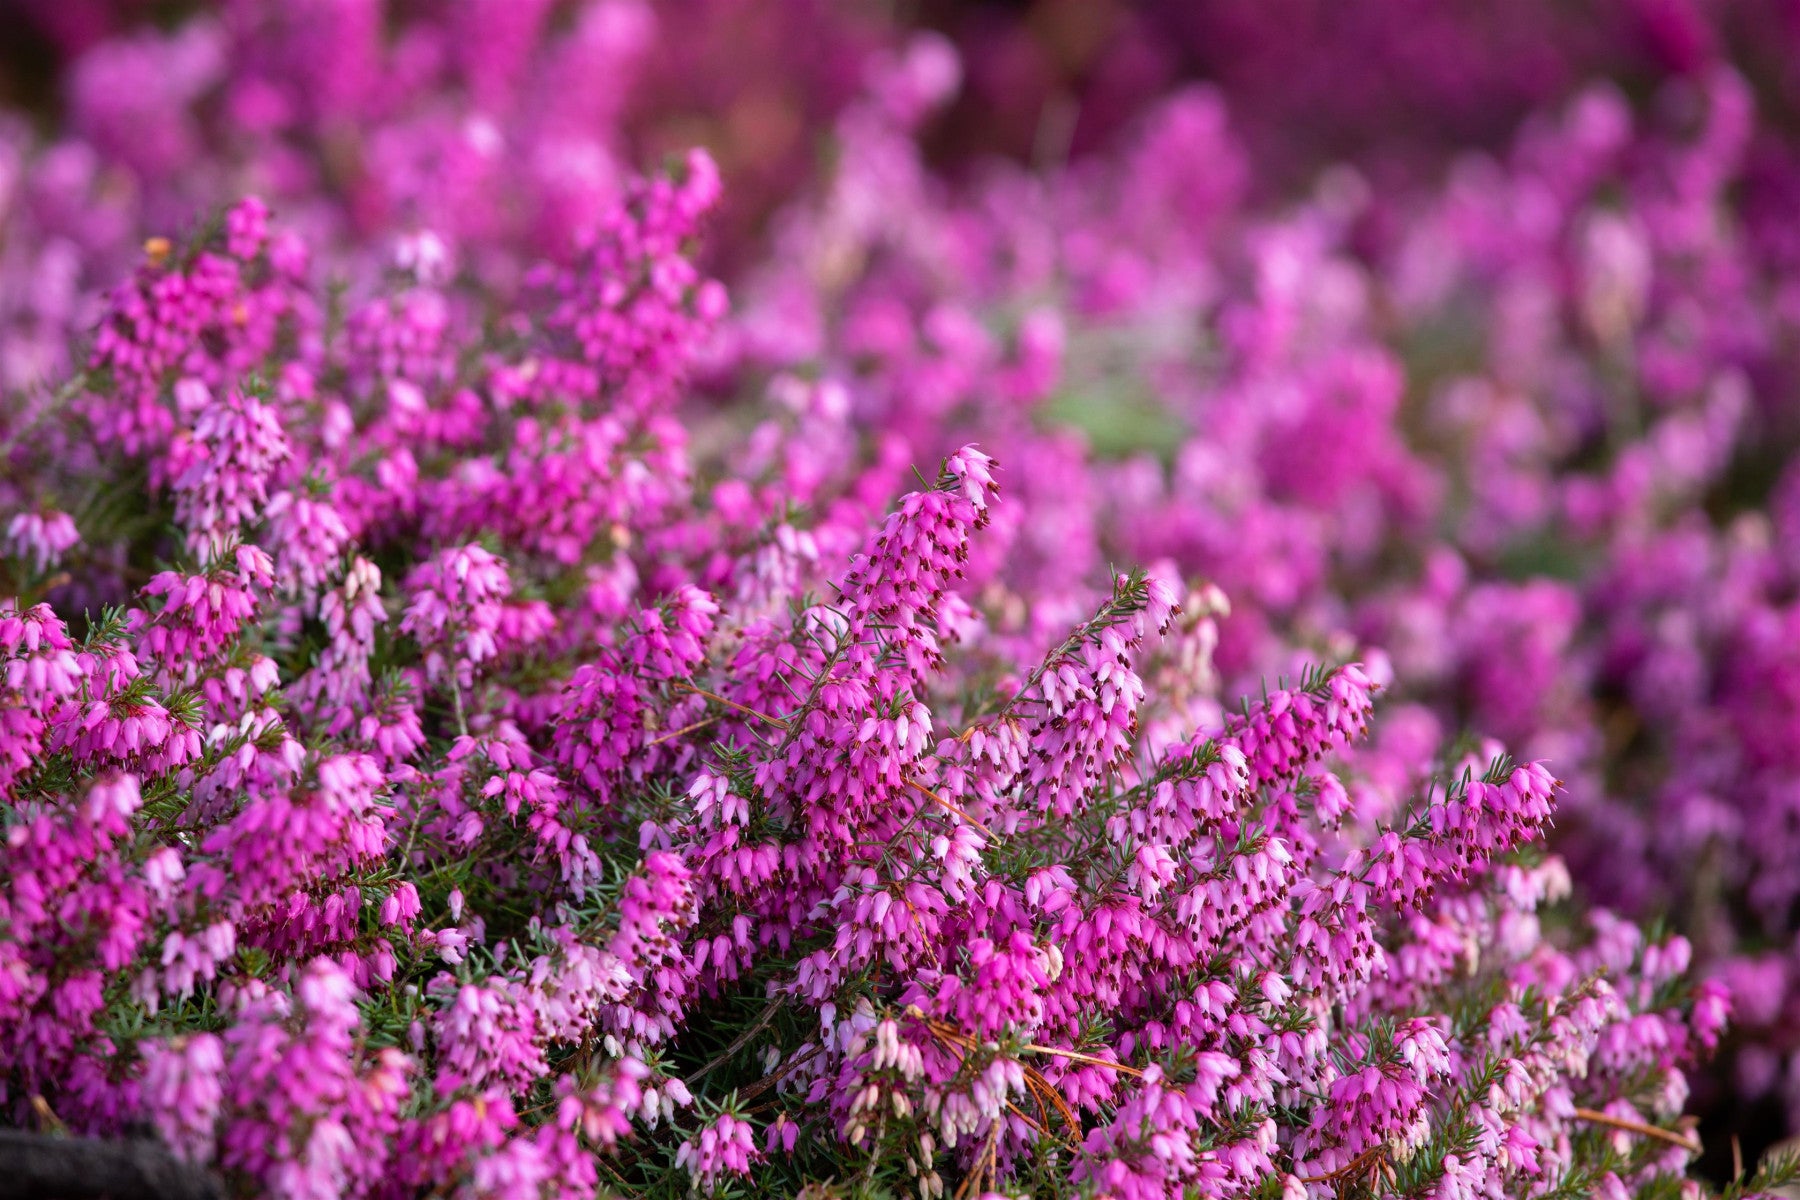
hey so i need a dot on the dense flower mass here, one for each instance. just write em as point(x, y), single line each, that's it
point(495, 701)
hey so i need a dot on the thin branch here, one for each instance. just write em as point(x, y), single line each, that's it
point(462, 722)
point(660, 738)
point(47, 1118)
point(984, 1161)
point(777, 722)
point(743, 1039)
point(951, 807)
point(952, 1034)
point(1690, 1144)
point(1042, 1089)
point(1354, 1166)
point(1042, 1129)
point(1083, 1058)
point(782, 1072)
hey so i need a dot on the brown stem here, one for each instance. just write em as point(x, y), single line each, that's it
point(764, 1084)
point(1044, 1090)
point(951, 807)
point(1366, 1158)
point(1083, 1058)
point(984, 1162)
point(675, 733)
point(777, 722)
point(743, 1039)
point(47, 1118)
point(1691, 1145)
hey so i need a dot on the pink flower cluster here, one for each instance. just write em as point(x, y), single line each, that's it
point(1009, 914)
point(487, 709)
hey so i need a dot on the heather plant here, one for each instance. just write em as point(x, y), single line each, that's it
point(484, 714)
point(1528, 435)
point(443, 788)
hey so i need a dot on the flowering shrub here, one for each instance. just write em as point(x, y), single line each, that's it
point(647, 826)
point(482, 714)
point(1526, 439)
